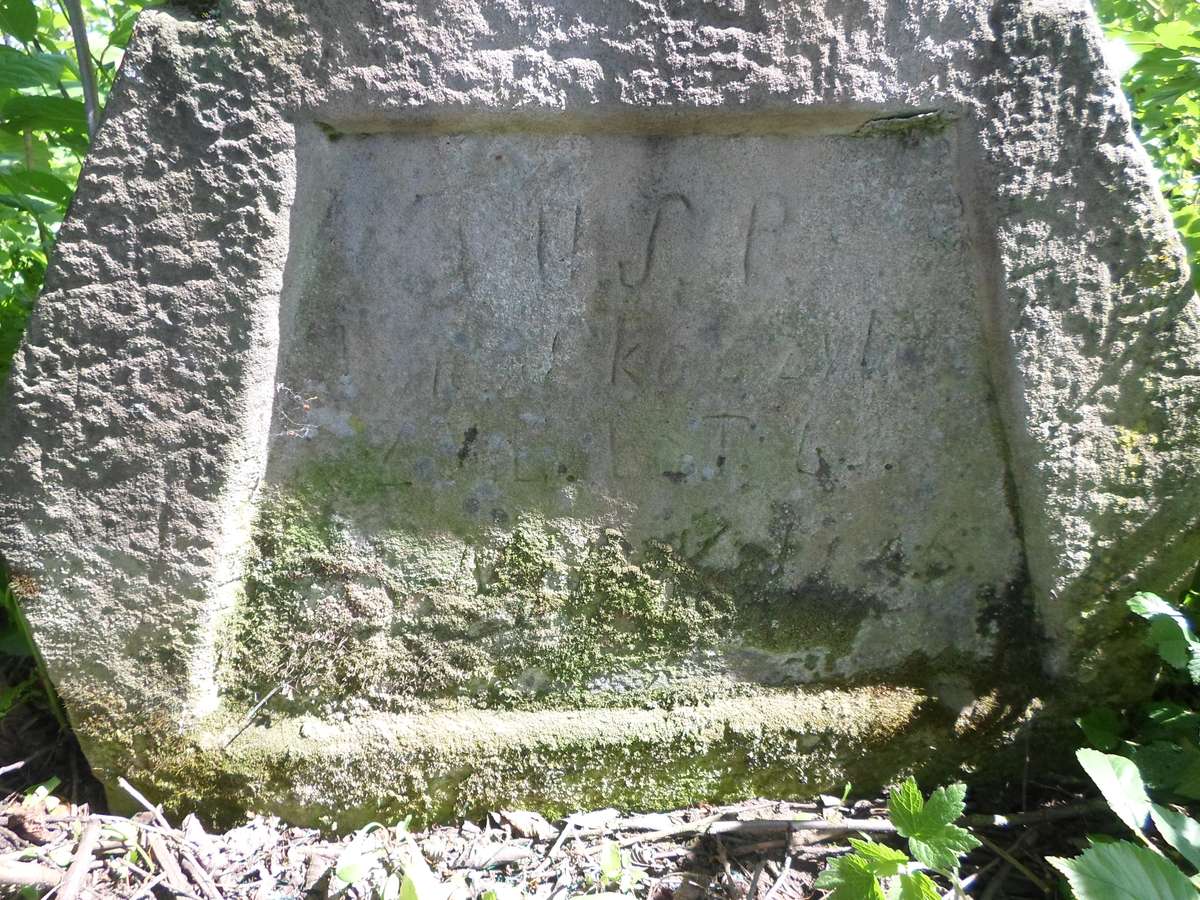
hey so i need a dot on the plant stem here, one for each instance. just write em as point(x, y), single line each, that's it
point(87, 76)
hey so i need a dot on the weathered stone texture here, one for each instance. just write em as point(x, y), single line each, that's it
point(504, 370)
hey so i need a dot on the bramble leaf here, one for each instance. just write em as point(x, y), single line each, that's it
point(850, 878)
point(918, 886)
point(932, 838)
point(883, 861)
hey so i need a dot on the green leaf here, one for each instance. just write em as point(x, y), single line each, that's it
point(19, 18)
point(610, 861)
point(43, 114)
point(1123, 871)
point(1180, 831)
point(932, 839)
point(1102, 728)
point(26, 70)
point(31, 205)
point(1121, 784)
point(905, 805)
point(40, 184)
point(918, 886)
point(1170, 633)
point(1177, 34)
point(882, 860)
point(946, 804)
point(850, 878)
point(408, 889)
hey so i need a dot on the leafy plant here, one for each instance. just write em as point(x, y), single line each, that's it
point(1118, 870)
point(1159, 740)
point(47, 90)
point(1159, 736)
point(387, 864)
point(1162, 39)
point(877, 872)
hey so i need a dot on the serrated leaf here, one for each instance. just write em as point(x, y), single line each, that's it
point(1123, 871)
point(850, 878)
point(918, 886)
point(932, 839)
point(905, 804)
point(1180, 831)
point(1121, 784)
point(882, 860)
point(940, 848)
point(946, 804)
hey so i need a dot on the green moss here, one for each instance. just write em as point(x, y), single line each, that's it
point(366, 587)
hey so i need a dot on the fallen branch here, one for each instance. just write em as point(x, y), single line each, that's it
point(72, 882)
point(176, 881)
point(1038, 816)
point(27, 874)
point(141, 798)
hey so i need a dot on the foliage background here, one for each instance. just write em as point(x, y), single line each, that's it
point(44, 135)
point(1161, 44)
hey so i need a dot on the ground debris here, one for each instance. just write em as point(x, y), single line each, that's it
point(755, 850)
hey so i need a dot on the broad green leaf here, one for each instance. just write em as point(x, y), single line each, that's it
point(850, 878)
point(27, 70)
point(941, 850)
point(29, 204)
point(1123, 871)
point(1121, 784)
point(946, 804)
point(1170, 632)
point(918, 886)
point(39, 184)
point(1177, 34)
point(19, 18)
point(416, 869)
point(882, 860)
point(1178, 830)
point(408, 889)
point(43, 114)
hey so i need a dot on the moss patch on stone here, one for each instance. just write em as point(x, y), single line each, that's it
point(364, 591)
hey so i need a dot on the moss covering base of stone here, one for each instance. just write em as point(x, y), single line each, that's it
point(339, 775)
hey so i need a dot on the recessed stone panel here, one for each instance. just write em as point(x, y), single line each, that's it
point(616, 413)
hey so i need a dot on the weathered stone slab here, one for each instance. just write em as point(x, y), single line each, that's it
point(717, 397)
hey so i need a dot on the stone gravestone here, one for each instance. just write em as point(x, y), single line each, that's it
point(437, 407)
